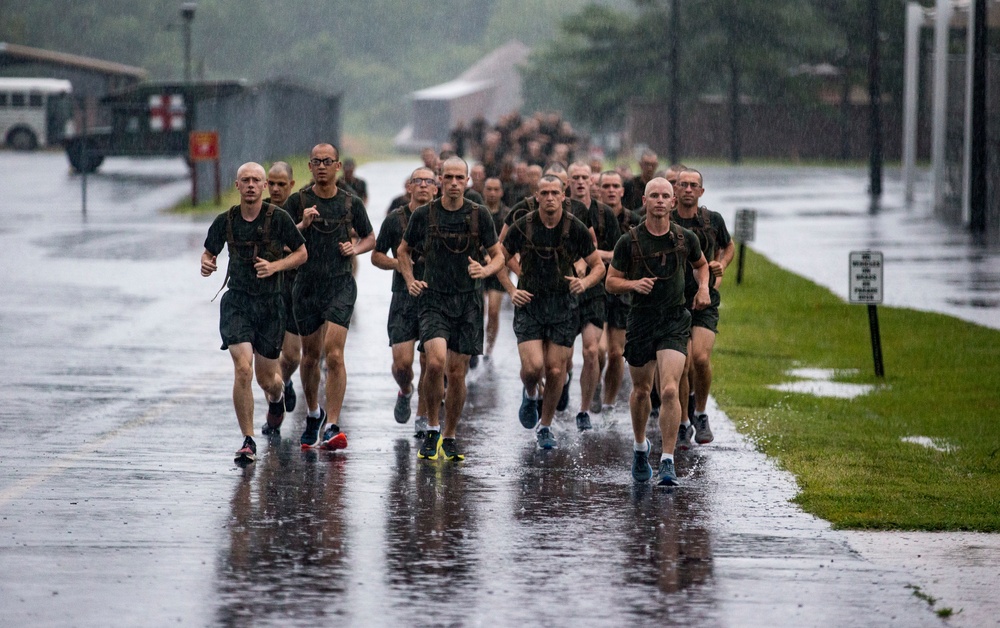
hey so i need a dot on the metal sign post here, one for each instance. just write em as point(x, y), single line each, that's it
point(745, 229)
point(204, 146)
point(83, 159)
point(865, 279)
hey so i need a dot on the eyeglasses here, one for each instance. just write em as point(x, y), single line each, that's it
point(322, 162)
point(688, 184)
point(423, 181)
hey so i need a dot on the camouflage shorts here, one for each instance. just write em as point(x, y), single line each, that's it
point(259, 320)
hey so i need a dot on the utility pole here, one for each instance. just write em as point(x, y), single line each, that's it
point(875, 101)
point(977, 170)
point(187, 14)
point(675, 27)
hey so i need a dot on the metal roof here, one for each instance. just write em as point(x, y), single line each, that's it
point(27, 53)
point(44, 85)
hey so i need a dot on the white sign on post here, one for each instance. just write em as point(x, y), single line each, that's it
point(746, 225)
point(866, 277)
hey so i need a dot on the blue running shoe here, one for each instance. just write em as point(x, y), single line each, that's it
point(641, 470)
point(528, 414)
point(546, 439)
point(310, 437)
point(666, 476)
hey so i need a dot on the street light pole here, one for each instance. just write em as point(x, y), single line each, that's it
point(187, 13)
point(675, 23)
point(875, 100)
point(977, 174)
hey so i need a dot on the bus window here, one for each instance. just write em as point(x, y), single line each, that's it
point(17, 99)
point(3, 99)
point(35, 100)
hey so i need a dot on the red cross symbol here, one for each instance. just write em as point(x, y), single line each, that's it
point(166, 112)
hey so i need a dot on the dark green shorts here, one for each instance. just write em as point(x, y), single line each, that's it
point(492, 283)
point(616, 312)
point(707, 318)
point(404, 323)
point(554, 318)
point(651, 330)
point(593, 311)
point(458, 318)
point(259, 320)
point(286, 298)
point(329, 300)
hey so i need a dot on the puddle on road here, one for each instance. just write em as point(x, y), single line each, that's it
point(936, 444)
point(819, 382)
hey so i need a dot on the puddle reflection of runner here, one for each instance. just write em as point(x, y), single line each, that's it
point(288, 552)
point(430, 534)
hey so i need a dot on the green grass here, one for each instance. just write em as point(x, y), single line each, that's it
point(942, 381)
point(362, 148)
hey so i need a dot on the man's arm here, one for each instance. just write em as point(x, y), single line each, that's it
point(295, 259)
point(383, 261)
point(722, 260)
point(208, 263)
point(616, 283)
point(595, 272)
point(701, 274)
point(404, 262)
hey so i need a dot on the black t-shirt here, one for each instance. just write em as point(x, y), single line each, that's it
point(663, 257)
point(529, 204)
point(474, 196)
point(390, 234)
point(328, 230)
point(446, 243)
point(249, 242)
point(710, 227)
point(547, 257)
point(356, 186)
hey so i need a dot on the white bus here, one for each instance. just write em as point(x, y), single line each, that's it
point(34, 111)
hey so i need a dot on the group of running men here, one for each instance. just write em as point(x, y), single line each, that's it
point(636, 284)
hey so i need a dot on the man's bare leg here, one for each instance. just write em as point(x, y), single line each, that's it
point(336, 372)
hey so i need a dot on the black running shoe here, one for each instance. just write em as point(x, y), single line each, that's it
point(248, 452)
point(564, 397)
point(289, 396)
point(583, 421)
point(473, 361)
point(431, 446)
point(528, 412)
point(450, 450)
point(310, 437)
point(275, 417)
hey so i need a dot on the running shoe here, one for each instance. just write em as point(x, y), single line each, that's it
point(310, 437)
point(546, 439)
point(704, 435)
point(402, 410)
point(641, 470)
point(608, 415)
point(275, 417)
point(248, 452)
point(564, 397)
point(289, 396)
point(333, 438)
point(420, 427)
point(666, 476)
point(583, 422)
point(473, 361)
point(449, 449)
point(431, 446)
point(528, 414)
point(685, 437)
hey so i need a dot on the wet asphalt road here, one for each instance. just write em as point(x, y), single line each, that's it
point(120, 503)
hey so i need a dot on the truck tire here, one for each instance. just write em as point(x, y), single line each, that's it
point(22, 138)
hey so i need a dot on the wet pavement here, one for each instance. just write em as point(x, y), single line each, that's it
point(120, 504)
point(810, 219)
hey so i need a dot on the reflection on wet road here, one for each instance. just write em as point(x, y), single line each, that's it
point(120, 504)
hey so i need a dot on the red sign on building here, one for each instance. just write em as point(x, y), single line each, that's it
point(203, 145)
